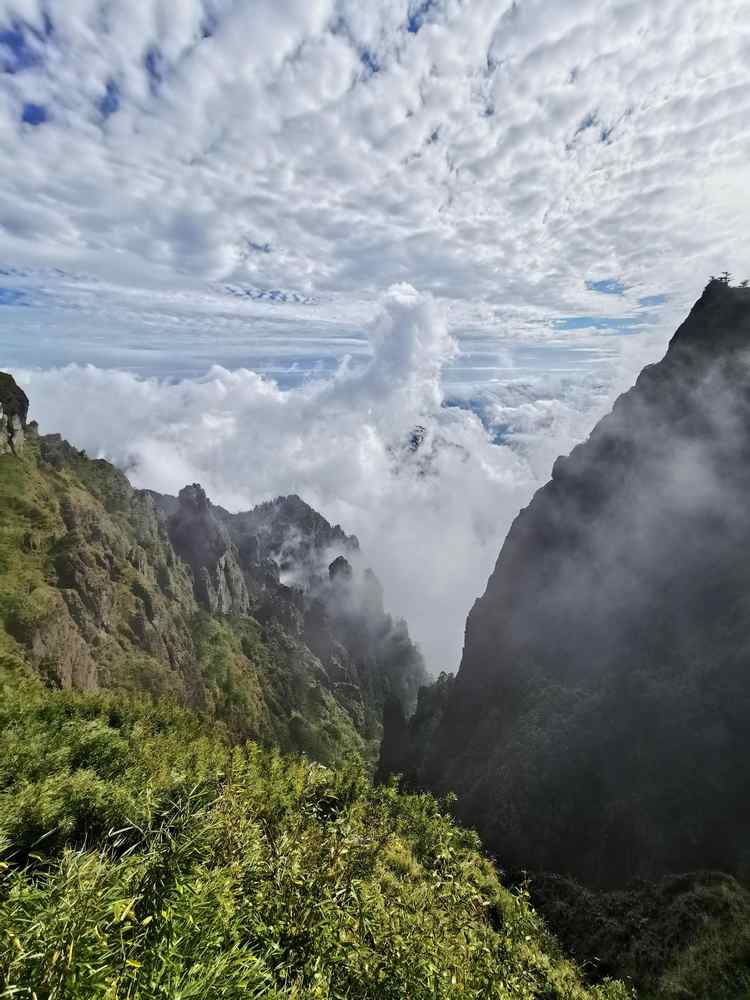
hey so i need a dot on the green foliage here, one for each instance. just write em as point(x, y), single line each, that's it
point(144, 858)
point(73, 766)
point(685, 937)
point(30, 521)
point(93, 595)
point(264, 686)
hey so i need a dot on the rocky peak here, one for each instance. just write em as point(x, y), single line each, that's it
point(193, 499)
point(718, 322)
point(200, 538)
point(14, 408)
point(340, 569)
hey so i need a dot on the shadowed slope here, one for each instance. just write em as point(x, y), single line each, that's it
point(600, 721)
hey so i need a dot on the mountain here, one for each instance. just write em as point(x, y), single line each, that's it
point(146, 849)
point(599, 724)
point(236, 616)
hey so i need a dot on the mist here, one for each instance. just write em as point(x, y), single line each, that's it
point(429, 484)
point(603, 683)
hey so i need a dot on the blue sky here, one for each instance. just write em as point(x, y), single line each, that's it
point(329, 219)
point(54, 319)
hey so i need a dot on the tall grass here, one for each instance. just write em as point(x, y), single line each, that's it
point(143, 859)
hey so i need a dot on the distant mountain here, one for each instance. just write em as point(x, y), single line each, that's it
point(237, 616)
point(599, 725)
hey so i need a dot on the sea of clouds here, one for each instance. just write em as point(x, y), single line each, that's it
point(430, 489)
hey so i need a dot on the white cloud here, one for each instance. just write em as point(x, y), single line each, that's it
point(430, 519)
point(499, 156)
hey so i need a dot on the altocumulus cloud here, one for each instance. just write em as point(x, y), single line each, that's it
point(495, 155)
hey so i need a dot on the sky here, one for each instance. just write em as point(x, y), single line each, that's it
point(256, 244)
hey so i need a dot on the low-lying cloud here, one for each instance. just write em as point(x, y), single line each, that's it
point(429, 488)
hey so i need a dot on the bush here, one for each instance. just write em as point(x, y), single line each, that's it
point(145, 859)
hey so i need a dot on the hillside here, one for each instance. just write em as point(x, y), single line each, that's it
point(146, 849)
point(142, 857)
point(106, 587)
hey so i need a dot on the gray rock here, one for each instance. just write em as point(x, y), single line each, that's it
point(14, 408)
point(204, 543)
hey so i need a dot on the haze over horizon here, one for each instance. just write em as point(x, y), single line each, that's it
point(255, 245)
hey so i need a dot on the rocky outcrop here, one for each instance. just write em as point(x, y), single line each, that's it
point(14, 408)
point(204, 543)
point(60, 653)
point(290, 535)
point(599, 724)
point(283, 562)
point(340, 569)
point(92, 590)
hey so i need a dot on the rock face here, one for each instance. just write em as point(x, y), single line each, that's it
point(283, 562)
point(340, 569)
point(203, 542)
point(600, 721)
point(14, 408)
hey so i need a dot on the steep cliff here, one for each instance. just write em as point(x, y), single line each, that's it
point(104, 586)
point(599, 724)
point(14, 407)
point(283, 563)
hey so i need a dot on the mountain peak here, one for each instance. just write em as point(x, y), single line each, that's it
point(603, 687)
point(194, 499)
point(14, 408)
point(340, 568)
point(719, 320)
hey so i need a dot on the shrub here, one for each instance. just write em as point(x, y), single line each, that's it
point(145, 859)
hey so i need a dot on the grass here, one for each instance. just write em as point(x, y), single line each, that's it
point(145, 858)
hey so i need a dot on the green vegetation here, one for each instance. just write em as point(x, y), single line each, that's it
point(686, 936)
point(92, 595)
point(82, 583)
point(264, 686)
point(148, 850)
point(144, 858)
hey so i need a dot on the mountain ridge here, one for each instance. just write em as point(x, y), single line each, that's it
point(105, 586)
point(598, 722)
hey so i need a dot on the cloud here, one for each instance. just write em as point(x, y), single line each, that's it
point(488, 155)
point(428, 484)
